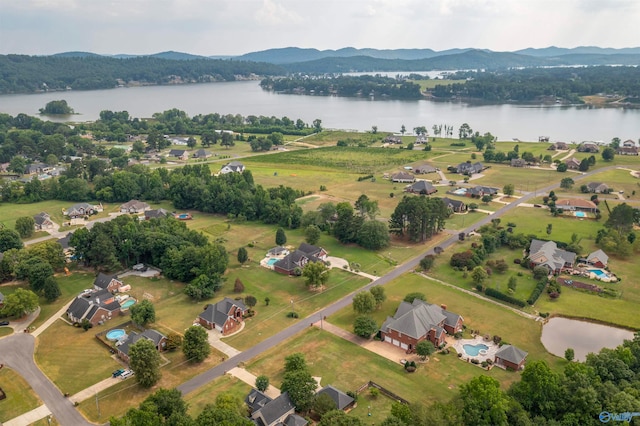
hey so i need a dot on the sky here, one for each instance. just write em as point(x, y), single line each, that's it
point(234, 27)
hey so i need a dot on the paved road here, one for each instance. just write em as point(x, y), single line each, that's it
point(290, 331)
point(16, 352)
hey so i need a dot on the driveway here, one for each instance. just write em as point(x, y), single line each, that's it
point(16, 352)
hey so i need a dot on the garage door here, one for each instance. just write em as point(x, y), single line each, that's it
point(387, 339)
point(395, 342)
point(404, 346)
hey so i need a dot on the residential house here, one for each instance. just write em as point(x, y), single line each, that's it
point(577, 204)
point(134, 206)
point(180, 141)
point(96, 307)
point(297, 259)
point(598, 258)
point(543, 138)
point(224, 316)
point(572, 163)
point(547, 254)
point(424, 169)
point(598, 187)
point(455, 206)
point(591, 147)
point(421, 139)
point(560, 146)
point(518, 162)
point(403, 177)
point(418, 321)
point(202, 153)
point(421, 187)
point(509, 356)
point(43, 222)
point(158, 339)
point(627, 150)
point(480, 191)
point(110, 283)
point(37, 168)
point(277, 251)
point(469, 168)
point(255, 400)
point(232, 167)
point(181, 154)
point(629, 143)
point(66, 249)
point(276, 412)
point(157, 214)
point(343, 401)
point(82, 209)
point(396, 140)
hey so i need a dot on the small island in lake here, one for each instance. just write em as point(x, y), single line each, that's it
point(57, 108)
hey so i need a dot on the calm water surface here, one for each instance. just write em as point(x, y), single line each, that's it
point(559, 334)
point(247, 98)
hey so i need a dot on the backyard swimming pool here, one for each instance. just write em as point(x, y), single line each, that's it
point(271, 262)
point(475, 350)
point(115, 334)
point(128, 303)
point(599, 273)
point(460, 191)
point(579, 214)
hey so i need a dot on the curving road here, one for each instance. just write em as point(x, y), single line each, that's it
point(16, 351)
point(410, 265)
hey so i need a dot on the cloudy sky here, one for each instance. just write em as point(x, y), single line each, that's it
point(232, 27)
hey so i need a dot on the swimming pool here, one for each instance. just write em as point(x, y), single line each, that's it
point(115, 334)
point(271, 262)
point(474, 350)
point(598, 272)
point(460, 191)
point(579, 214)
point(128, 303)
point(183, 216)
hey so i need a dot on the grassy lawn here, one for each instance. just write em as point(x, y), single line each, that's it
point(20, 397)
point(5, 331)
point(432, 83)
point(72, 358)
point(524, 179)
point(331, 137)
point(207, 394)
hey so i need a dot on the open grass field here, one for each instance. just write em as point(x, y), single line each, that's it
point(20, 397)
point(331, 137)
point(5, 331)
point(432, 83)
point(524, 179)
point(617, 179)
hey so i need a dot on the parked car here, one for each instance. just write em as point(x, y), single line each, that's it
point(140, 267)
point(118, 373)
point(4, 323)
point(126, 374)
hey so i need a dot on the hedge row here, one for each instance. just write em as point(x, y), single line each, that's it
point(504, 297)
point(537, 291)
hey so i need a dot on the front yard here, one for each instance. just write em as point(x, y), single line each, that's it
point(20, 397)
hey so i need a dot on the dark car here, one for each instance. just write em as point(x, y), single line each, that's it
point(117, 372)
point(4, 323)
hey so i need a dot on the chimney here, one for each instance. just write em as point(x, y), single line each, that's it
point(443, 306)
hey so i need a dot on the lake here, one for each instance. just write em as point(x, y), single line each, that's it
point(559, 334)
point(508, 122)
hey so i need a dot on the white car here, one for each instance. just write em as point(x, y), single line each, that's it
point(126, 374)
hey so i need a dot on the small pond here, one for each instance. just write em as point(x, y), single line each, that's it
point(559, 334)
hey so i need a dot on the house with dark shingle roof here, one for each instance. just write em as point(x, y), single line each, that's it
point(43, 221)
point(232, 167)
point(256, 400)
point(66, 249)
point(277, 412)
point(480, 191)
point(572, 163)
point(597, 187)
point(134, 206)
point(111, 283)
point(82, 209)
point(96, 307)
point(456, 206)
point(598, 258)
point(418, 321)
point(224, 316)
point(181, 154)
point(421, 187)
point(158, 339)
point(156, 213)
point(627, 150)
point(469, 168)
point(547, 254)
point(202, 153)
point(297, 259)
point(591, 147)
point(342, 400)
point(519, 162)
point(510, 356)
point(424, 169)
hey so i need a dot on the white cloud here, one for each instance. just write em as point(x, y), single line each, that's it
point(275, 13)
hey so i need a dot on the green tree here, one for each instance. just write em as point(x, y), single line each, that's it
point(373, 235)
point(168, 403)
point(364, 303)
point(566, 183)
point(483, 403)
point(174, 341)
point(425, 348)
point(339, 418)
point(569, 354)
point(513, 282)
point(250, 301)
point(143, 313)
point(9, 239)
point(25, 226)
point(608, 154)
point(281, 237)
point(316, 274)
point(562, 167)
point(191, 142)
point(243, 256)
point(195, 344)
point(540, 272)
point(51, 289)
point(301, 387)
point(509, 189)
point(312, 234)
point(37, 273)
point(262, 383)
point(426, 262)
point(17, 165)
point(295, 362)
point(56, 108)
point(479, 274)
point(621, 219)
point(538, 390)
point(486, 199)
point(20, 302)
point(364, 326)
point(323, 403)
point(409, 298)
point(377, 291)
point(202, 287)
point(144, 360)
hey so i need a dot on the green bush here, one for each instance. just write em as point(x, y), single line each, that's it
point(536, 292)
point(504, 297)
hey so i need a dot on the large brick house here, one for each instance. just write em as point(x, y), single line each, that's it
point(510, 357)
point(421, 187)
point(418, 321)
point(547, 254)
point(96, 307)
point(224, 316)
point(297, 259)
point(111, 283)
point(265, 411)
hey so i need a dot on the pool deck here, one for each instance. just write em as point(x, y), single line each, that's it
point(491, 352)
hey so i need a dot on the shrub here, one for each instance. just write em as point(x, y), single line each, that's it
point(475, 361)
point(537, 291)
point(504, 297)
point(484, 364)
point(292, 315)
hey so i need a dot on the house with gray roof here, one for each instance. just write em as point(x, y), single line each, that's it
point(43, 221)
point(158, 339)
point(418, 321)
point(226, 316)
point(298, 258)
point(421, 187)
point(547, 254)
point(232, 167)
point(202, 153)
point(469, 168)
point(181, 154)
point(82, 209)
point(591, 147)
point(509, 356)
point(455, 206)
point(597, 187)
point(424, 169)
point(342, 400)
point(134, 206)
point(480, 191)
point(403, 177)
point(96, 307)
point(156, 214)
point(277, 412)
point(111, 283)
point(256, 400)
point(598, 258)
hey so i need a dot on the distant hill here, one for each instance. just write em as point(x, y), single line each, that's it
point(176, 56)
point(75, 55)
point(553, 51)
